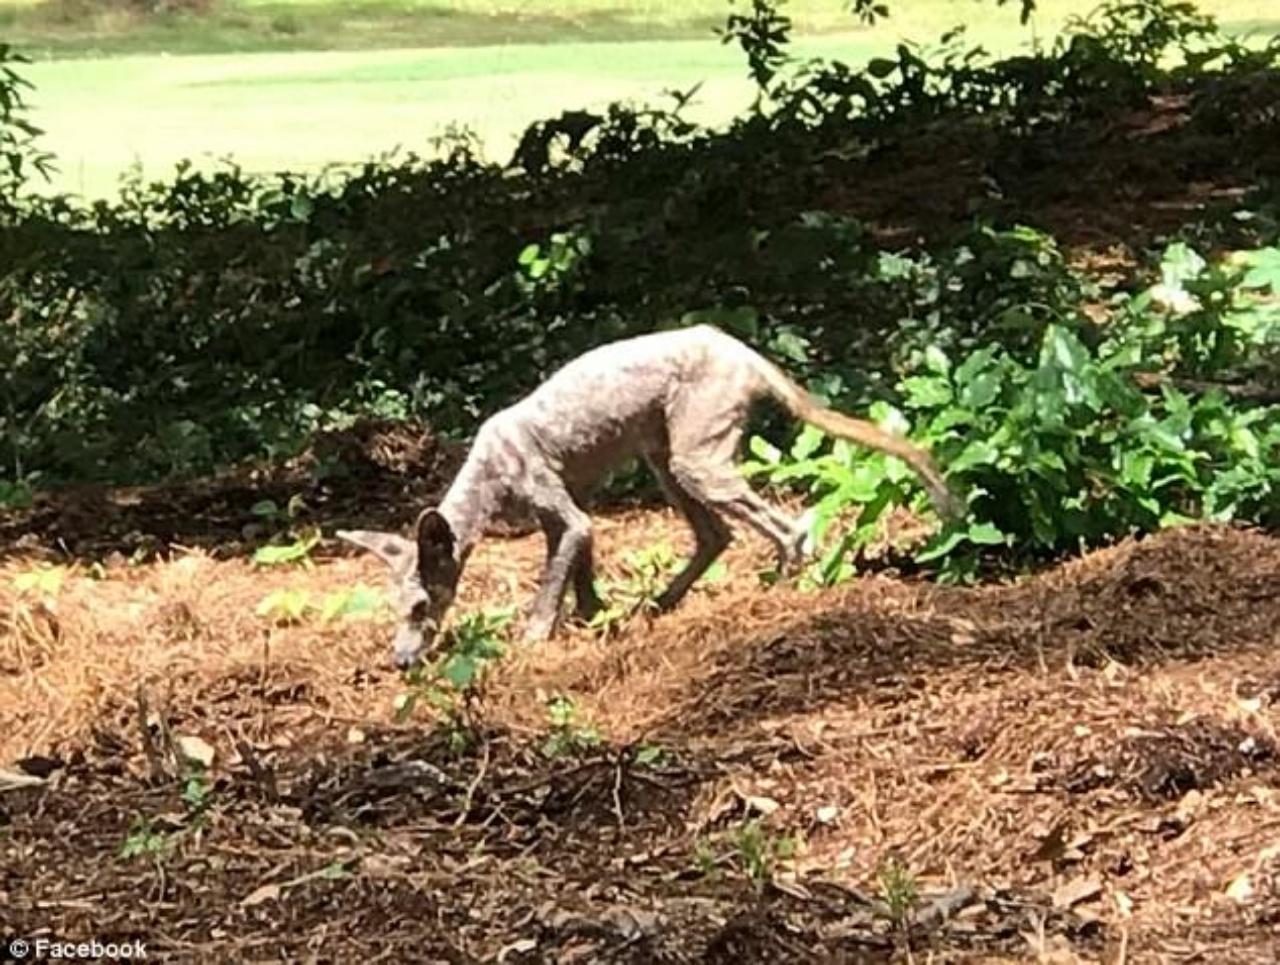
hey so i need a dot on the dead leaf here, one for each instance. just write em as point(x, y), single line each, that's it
point(517, 948)
point(1075, 891)
point(261, 894)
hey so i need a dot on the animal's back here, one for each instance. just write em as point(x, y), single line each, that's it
point(612, 401)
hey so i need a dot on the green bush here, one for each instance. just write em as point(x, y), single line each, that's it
point(1065, 451)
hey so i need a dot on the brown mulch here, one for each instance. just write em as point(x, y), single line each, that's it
point(1079, 766)
point(370, 475)
point(1117, 184)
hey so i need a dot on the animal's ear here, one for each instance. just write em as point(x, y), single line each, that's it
point(435, 549)
point(391, 548)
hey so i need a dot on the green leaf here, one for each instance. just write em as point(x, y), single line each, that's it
point(880, 68)
point(460, 670)
point(764, 450)
point(986, 534)
point(44, 580)
point(807, 443)
point(791, 346)
point(649, 755)
point(926, 391)
point(1066, 351)
point(1180, 264)
point(1264, 269)
point(979, 452)
point(717, 572)
point(277, 555)
point(941, 544)
point(980, 391)
point(887, 417)
point(301, 207)
point(980, 361)
point(936, 361)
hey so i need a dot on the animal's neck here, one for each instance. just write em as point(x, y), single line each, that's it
point(467, 507)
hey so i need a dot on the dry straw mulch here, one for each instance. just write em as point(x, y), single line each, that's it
point(1080, 766)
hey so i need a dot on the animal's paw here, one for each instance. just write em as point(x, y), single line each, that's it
point(802, 542)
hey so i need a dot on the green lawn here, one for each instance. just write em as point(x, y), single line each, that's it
point(301, 110)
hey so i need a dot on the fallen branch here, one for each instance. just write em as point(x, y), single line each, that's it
point(1241, 392)
point(13, 781)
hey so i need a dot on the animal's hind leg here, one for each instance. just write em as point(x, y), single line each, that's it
point(721, 488)
point(586, 602)
point(711, 534)
point(704, 431)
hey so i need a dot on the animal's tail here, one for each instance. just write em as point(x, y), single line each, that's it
point(805, 407)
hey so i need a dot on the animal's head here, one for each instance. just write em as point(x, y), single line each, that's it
point(424, 578)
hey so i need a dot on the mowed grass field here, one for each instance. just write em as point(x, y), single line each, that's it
point(380, 77)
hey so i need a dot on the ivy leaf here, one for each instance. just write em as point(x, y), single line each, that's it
point(926, 391)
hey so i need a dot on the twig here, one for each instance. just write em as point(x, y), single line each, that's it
point(148, 746)
point(1242, 392)
point(617, 792)
point(170, 744)
point(471, 788)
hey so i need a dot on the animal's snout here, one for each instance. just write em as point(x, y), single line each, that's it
point(411, 642)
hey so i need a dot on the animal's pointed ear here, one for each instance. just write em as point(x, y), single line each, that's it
point(391, 548)
point(435, 547)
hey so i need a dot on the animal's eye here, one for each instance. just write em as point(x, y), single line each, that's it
point(419, 612)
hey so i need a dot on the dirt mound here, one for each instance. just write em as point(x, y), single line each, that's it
point(1168, 762)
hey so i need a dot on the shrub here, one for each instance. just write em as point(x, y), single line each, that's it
point(1066, 450)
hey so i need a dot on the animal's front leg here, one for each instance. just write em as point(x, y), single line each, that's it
point(566, 538)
